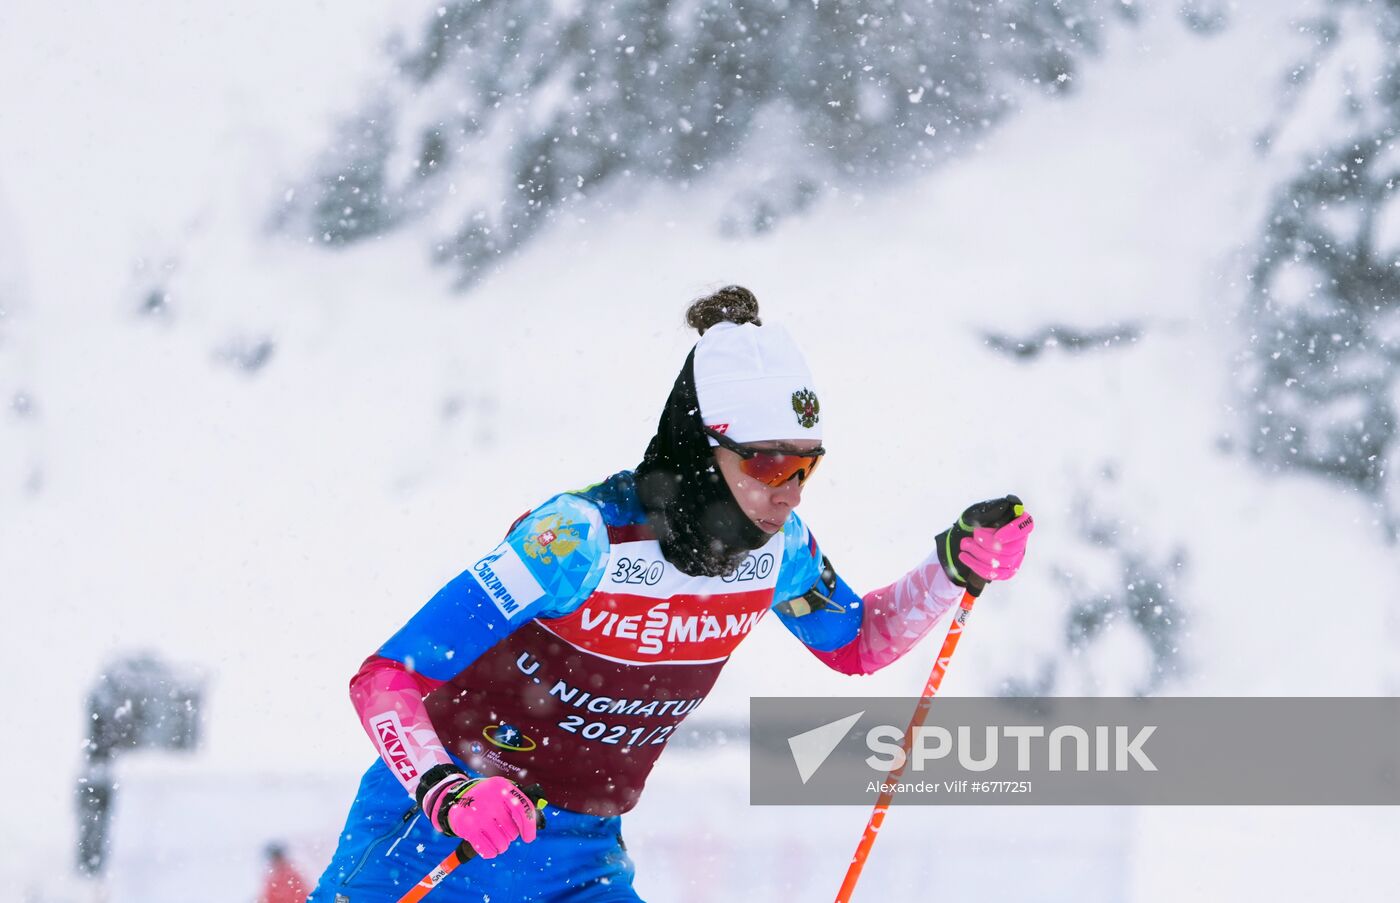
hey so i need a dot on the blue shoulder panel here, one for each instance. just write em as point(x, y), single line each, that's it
point(802, 560)
point(550, 562)
point(838, 620)
point(617, 497)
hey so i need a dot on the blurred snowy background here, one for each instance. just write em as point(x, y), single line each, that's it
point(301, 304)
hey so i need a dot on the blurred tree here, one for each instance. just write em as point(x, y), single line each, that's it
point(1322, 363)
point(1121, 590)
point(504, 110)
point(138, 702)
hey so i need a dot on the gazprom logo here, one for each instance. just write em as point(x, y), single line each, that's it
point(507, 581)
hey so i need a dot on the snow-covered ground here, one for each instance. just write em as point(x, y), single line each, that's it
point(274, 527)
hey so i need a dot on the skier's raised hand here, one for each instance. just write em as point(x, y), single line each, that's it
point(987, 543)
point(487, 813)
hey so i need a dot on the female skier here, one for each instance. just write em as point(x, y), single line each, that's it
point(567, 656)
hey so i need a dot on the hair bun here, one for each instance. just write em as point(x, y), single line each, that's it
point(731, 304)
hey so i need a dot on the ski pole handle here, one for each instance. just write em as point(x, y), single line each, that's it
point(994, 512)
point(536, 794)
point(465, 852)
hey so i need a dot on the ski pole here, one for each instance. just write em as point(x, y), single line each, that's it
point(991, 513)
point(882, 804)
point(465, 853)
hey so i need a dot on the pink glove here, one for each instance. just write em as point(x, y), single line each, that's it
point(997, 554)
point(488, 813)
point(987, 543)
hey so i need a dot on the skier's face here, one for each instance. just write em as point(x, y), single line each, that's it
point(767, 506)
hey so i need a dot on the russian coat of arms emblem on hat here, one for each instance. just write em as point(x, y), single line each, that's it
point(807, 408)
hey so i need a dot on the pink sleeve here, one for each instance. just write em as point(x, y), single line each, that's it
point(389, 700)
point(896, 617)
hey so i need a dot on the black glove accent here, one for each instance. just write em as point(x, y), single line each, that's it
point(432, 779)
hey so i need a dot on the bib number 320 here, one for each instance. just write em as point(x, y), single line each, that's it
point(753, 567)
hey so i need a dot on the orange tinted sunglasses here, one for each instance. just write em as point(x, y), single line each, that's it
point(769, 466)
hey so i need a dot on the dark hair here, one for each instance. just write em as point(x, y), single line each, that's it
point(731, 304)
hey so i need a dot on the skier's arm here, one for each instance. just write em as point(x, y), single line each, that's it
point(851, 633)
point(862, 634)
point(551, 560)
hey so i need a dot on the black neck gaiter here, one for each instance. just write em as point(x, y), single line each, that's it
point(701, 528)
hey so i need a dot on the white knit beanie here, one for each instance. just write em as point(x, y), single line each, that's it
point(753, 384)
